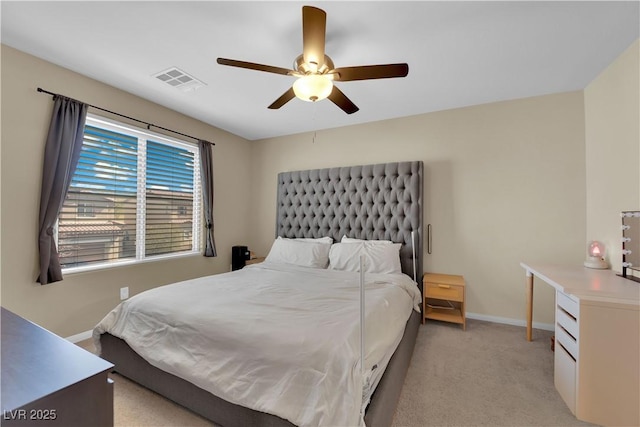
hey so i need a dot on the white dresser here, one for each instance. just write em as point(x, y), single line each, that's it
point(597, 351)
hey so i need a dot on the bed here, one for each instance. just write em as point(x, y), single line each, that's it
point(371, 202)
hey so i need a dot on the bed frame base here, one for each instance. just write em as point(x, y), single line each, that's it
point(379, 413)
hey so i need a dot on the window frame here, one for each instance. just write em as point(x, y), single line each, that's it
point(196, 230)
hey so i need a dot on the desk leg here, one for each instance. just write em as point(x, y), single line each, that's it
point(529, 305)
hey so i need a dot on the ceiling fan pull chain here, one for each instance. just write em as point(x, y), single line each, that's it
point(313, 120)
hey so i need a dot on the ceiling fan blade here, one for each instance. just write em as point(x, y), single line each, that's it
point(341, 100)
point(286, 97)
point(253, 66)
point(314, 23)
point(367, 72)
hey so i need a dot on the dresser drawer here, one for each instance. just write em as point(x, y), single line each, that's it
point(568, 342)
point(564, 376)
point(568, 305)
point(444, 291)
point(566, 321)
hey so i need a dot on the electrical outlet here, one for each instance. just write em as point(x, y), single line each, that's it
point(124, 293)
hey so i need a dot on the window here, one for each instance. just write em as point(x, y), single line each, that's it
point(134, 196)
point(85, 209)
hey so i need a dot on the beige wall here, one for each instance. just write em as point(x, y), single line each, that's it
point(504, 183)
point(77, 303)
point(612, 135)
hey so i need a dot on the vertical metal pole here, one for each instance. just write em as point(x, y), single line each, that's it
point(362, 317)
point(362, 373)
point(413, 249)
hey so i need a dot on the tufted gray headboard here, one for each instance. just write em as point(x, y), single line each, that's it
point(382, 201)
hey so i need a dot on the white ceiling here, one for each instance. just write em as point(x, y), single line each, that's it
point(459, 53)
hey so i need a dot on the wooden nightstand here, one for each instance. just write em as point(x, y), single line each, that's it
point(443, 298)
point(254, 261)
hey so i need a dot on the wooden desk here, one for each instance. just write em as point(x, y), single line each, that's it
point(48, 381)
point(597, 351)
point(584, 283)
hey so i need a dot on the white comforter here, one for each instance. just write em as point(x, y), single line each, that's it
point(273, 337)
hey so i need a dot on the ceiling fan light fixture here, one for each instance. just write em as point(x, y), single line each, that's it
point(313, 87)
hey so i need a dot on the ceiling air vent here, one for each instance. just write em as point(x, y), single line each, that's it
point(177, 78)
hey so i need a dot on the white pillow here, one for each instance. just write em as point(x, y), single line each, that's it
point(383, 258)
point(298, 252)
point(325, 240)
point(378, 258)
point(345, 256)
point(346, 239)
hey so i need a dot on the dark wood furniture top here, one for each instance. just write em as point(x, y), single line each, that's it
point(47, 380)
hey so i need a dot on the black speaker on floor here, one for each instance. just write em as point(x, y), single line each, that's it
point(239, 256)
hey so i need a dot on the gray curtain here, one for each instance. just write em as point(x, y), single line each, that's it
point(206, 173)
point(61, 154)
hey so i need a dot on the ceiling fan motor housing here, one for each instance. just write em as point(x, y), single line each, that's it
point(305, 68)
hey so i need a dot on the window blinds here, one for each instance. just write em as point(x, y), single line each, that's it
point(130, 198)
point(169, 199)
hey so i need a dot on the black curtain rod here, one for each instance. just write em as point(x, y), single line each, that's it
point(149, 125)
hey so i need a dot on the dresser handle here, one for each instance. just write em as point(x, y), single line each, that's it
point(444, 286)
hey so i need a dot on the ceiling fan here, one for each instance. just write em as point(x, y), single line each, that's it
point(315, 70)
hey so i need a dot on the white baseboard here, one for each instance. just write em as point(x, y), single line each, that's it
point(508, 321)
point(80, 337)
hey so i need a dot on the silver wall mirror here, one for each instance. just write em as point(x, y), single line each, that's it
point(631, 245)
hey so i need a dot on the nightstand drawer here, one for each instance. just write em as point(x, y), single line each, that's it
point(444, 291)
